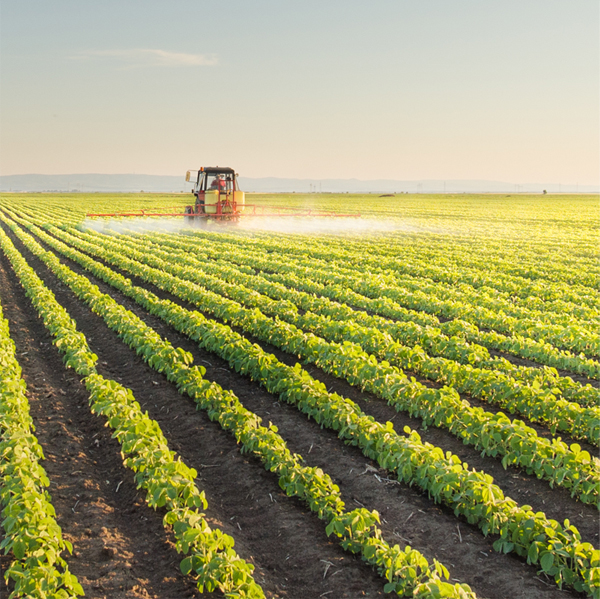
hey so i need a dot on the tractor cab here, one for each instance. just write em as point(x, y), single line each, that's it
point(217, 194)
point(218, 199)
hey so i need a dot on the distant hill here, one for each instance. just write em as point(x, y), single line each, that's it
point(163, 183)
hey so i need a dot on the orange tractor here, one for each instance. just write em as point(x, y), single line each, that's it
point(217, 195)
point(218, 199)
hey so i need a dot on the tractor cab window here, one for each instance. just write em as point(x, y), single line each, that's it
point(218, 182)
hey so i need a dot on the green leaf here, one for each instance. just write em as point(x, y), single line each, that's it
point(19, 549)
point(547, 561)
point(186, 565)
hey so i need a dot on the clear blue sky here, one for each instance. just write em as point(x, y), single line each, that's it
point(398, 89)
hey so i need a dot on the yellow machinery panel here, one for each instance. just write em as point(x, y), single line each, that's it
point(240, 199)
point(211, 198)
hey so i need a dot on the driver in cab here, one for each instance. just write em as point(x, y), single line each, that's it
point(218, 183)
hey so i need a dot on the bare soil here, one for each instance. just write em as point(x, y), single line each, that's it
point(121, 548)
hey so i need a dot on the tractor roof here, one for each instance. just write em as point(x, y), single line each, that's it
point(215, 170)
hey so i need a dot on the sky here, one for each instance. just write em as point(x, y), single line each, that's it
point(502, 90)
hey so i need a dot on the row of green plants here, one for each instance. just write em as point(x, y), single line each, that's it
point(441, 341)
point(515, 294)
point(523, 346)
point(350, 261)
point(391, 305)
point(548, 246)
point(168, 482)
point(389, 302)
point(426, 277)
point(38, 568)
point(309, 295)
point(494, 434)
point(489, 311)
point(342, 256)
point(467, 368)
point(553, 289)
point(414, 328)
point(407, 571)
point(557, 549)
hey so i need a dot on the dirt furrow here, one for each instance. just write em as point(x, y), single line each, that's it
point(517, 360)
point(408, 516)
point(525, 489)
point(278, 534)
point(120, 546)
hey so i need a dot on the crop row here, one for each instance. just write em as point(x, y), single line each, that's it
point(558, 550)
point(502, 259)
point(546, 295)
point(378, 265)
point(518, 344)
point(494, 434)
point(167, 482)
point(392, 303)
point(406, 571)
point(372, 333)
point(522, 277)
point(434, 299)
point(551, 247)
point(309, 295)
point(28, 517)
point(416, 274)
point(563, 331)
point(442, 341)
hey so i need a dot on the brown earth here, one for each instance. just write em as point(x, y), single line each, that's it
point(119, 553)
point(120, 546)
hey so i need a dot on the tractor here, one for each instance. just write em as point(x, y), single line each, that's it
point(218, 199)
point(217, 194)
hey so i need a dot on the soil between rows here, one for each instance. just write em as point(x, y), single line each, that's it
point(320, 446)
point(288, 544)
point(557, 503)
point(120, 546)
point(518, 361)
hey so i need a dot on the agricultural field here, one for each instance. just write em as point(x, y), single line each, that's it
point(401, 404)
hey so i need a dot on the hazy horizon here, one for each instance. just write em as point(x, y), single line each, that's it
point(429, 90)
point(99, 182)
